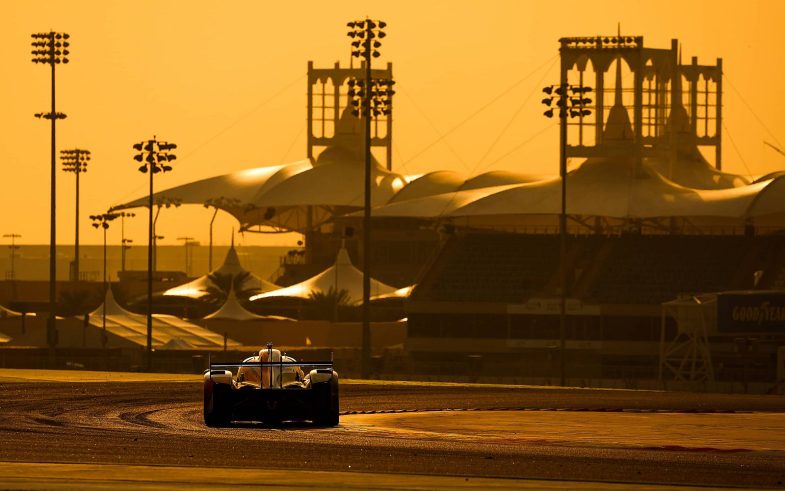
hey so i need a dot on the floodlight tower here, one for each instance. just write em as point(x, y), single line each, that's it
point(187, 242)
point(75, 161)
point(13, 247)
point(50, 48)
point(370, 98)
point(218, 204)
point(102, 221)
point(161, 202)
point(155, 158)
point(125, 244)
point(570, 102)
point(208, 204)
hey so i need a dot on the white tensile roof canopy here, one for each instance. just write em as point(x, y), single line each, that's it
point(340, 276)
point(231, 272)
point(614, 187)
point(297, 196)
point(233, 310)
point(168, 330)
point(304, 194)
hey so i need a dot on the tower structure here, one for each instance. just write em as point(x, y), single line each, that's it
point(661, 105)
point(330, 121)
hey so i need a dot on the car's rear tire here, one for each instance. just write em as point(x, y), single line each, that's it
point(328, 402)
point(217, 411)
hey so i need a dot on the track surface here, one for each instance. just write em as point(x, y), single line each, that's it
point(159, 423)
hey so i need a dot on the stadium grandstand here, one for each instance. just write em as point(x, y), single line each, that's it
point(499, 286)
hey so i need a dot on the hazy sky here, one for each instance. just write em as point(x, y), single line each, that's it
point(226, 82)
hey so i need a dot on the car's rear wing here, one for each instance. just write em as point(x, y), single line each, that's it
point(319, 365)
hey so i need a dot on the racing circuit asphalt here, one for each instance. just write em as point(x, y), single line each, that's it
point(160, 423)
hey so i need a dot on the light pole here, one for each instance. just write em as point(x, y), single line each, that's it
point(124, 243)
point(155, 157)
point(13, 247)
point(50, 48)
point(156, 238)
point(187, 242)
point(102, 221)
point(162, 202)
point(75, 161)
point(571, 102)
point(208, 204)
point(369, 100)
point(217, 203)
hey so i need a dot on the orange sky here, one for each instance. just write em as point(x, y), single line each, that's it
point(226, 82)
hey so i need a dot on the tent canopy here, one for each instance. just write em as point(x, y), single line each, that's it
point(233, 310)
point(294, 196)
point(340, 276)
point(166, 328)
point(223, 279)
point(302, 195)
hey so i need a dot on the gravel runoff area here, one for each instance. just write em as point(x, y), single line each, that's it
point(106, 426)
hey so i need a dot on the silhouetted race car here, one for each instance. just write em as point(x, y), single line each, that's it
point(271, 388)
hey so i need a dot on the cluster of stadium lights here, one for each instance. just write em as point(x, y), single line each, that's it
point(366, 35)
point(155, 155)
point(369, 97)
point(50, 47)
point(379, 99)
point(102, 220)
point(56, 115)
point(48, 51)
point(570, 100)
point(75, 160)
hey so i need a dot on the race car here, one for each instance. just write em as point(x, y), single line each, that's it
point(271, 388)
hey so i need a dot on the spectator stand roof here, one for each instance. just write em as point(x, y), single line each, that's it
point(166, 328)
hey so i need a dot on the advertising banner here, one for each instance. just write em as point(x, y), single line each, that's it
point(751, 312)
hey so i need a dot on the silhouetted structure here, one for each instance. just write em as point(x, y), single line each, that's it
point(633, 247)
point(649, 219)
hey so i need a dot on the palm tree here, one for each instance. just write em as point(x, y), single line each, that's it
point(77, 302)
point(224, 283)
point(325, 305)
point(219, 287)
point(240, 289)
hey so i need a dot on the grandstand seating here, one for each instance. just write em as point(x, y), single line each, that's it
point(458, 323)
point(640, 270)
point(492, 268)
point(655, 269)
